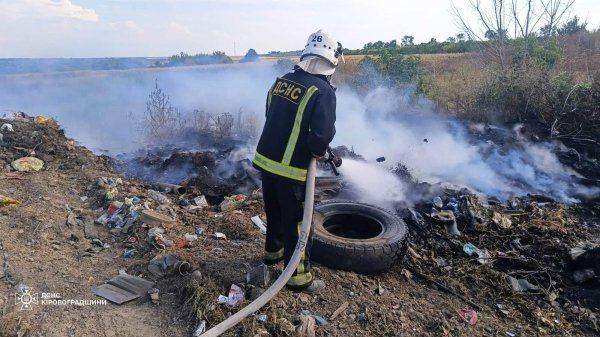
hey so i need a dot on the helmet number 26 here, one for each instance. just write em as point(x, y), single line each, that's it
point(317, 38)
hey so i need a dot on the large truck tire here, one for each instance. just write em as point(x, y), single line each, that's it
point(357, 237)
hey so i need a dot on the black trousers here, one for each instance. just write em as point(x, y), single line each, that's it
point(284, 207)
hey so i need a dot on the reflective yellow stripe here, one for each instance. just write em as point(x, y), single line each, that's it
point(269, 98)
point(291, 145)
point(275, 255)
point(278, 168)
point(300, 266)
point(300, 280)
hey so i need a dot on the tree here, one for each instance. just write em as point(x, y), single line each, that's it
point(501, 20)
point(378, 45)
point(407, 40)
point(451, 39)
point(251, 56)
point(398, 68)
point(460, 36)
point(554, 11)
point(572, 27)
point(491, 35)
point(547, 31)
point(160, 117)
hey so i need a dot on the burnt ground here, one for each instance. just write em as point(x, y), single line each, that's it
point(48, 250)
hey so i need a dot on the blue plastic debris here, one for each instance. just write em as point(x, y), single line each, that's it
point(129, 252)
point(470, 249)
point(320, 320)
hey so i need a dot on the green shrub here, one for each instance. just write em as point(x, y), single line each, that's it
point(390, 68)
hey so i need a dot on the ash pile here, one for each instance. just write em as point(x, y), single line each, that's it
point(222, 170)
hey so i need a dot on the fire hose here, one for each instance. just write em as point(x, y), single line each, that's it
point(309, 199)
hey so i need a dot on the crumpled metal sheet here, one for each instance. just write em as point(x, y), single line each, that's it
point(123, 288)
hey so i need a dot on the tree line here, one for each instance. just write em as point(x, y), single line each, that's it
point(184, 59)
point(463, 43)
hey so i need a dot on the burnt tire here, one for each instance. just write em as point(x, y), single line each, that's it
point(357, 237)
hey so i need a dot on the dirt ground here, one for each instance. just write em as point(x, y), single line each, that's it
point(45, 253)
point(418, 297)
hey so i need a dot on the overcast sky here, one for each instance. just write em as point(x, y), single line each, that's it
point(97, 28)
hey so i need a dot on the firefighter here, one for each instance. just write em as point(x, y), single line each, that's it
point(300, 118)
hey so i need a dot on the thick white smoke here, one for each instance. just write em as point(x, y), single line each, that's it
point(373, 183)
point(102, 111)
point(434, 148)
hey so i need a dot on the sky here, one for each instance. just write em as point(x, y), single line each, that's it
point(126, 28)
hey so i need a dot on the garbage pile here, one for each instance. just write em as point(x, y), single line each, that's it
point(529, 257)
point(515, 257)
point(150, 220)
point(30, 143)
point(196, 235)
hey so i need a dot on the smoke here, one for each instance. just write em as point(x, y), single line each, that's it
point(406, 129)
point(102, 110)
point(373, 183)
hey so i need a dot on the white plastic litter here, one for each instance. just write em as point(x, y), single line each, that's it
point(235, 296)
point(7, 127)
point(260, 224)
point(200, 329)
point(220, 236)
point(201, 201)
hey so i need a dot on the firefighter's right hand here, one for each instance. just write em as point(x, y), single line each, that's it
point(324, 157)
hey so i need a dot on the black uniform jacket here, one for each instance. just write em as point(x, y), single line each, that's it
point(299, 123)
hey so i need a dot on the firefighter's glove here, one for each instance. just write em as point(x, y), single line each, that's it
point(326, 157)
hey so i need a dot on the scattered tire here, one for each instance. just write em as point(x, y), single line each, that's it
point(357, 237)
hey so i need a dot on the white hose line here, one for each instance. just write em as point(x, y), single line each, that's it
point(258, 303)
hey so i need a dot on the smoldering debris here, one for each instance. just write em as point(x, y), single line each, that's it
point(216, 172)
point(496, 161)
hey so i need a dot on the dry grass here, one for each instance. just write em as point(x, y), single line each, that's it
point(201, 305)
point(346, 70)
point(14, 324)
point(581, 55)
point(456, 81)
point(461, 83)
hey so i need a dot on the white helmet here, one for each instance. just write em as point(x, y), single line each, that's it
point(323, 45)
